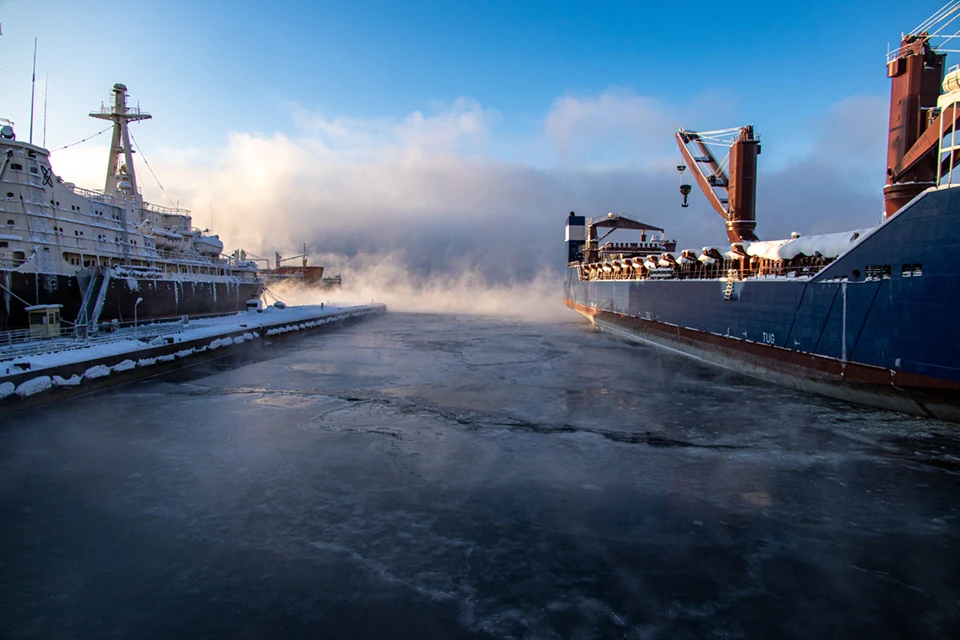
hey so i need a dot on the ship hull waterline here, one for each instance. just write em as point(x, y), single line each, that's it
point(847, 381)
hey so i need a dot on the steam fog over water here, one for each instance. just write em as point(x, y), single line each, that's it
point(447, 476)
point(387, 280)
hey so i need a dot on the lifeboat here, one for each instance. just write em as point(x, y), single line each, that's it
point(650, 263)
point(166, 238)
point(667, 260)
point(208, 245)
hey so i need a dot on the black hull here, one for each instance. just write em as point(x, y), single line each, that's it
point(161, 298)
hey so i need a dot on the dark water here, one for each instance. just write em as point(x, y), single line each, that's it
point(429, 476)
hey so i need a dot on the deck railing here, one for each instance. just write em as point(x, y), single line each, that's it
point(19, 343)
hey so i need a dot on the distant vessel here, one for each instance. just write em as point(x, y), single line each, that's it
point(105, 255)
point(867, 315)
point(303, 274)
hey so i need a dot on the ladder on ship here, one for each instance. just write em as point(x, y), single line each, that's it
point(731, 279)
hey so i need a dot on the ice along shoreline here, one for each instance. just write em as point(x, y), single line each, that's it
point(30, 381)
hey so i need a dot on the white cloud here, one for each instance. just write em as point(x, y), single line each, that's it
point(580, 123)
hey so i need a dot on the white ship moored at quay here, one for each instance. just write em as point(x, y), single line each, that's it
point(105, 255)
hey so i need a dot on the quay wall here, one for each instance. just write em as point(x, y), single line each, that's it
point(87, 372)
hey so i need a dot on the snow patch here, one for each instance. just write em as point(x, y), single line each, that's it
point(829, 245)
point(36, 385)
point(98, 371)
point(238, 340)
point(72, 381)
point(6, 389)
point(132, 284)
point(146, 362)
point(184, 353)
point(126, 365)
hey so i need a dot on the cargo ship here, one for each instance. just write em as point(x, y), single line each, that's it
point(302, 275)
point(870, 316)
point(105, 255)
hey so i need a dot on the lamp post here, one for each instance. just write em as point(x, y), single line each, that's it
point(135, 305)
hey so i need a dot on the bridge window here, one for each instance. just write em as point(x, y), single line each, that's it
point(4, 244)
point(9, 223)
point(16, 166)
point(10, 194)
point(34, 170)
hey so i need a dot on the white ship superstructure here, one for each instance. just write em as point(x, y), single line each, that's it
point(62, 244)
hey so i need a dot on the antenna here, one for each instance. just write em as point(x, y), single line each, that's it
point(46, 87)
point(33, 87)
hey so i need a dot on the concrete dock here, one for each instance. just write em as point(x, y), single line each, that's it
point(44, 371)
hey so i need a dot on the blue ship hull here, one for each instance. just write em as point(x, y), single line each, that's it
point(880, 325)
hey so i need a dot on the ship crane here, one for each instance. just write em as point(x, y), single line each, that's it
point(281, 260)
point(730, 185)
point(920, 117)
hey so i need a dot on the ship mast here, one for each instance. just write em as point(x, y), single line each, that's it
point(120, 177)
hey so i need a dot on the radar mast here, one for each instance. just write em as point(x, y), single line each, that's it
point(120, 177)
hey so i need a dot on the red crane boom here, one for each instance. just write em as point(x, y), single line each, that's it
point(733, 195)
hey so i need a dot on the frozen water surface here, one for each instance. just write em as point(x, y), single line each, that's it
point(440, 476)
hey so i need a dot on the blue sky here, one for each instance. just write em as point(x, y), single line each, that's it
point(236, 64)
point(417, 115)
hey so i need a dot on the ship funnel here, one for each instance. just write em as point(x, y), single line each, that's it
point(575, 237)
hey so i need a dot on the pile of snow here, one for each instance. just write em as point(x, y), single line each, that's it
point(126, 365)
point(98, 371)
point(829, 245)
point(35, 385)
point(72, 381)
point(6, 389)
